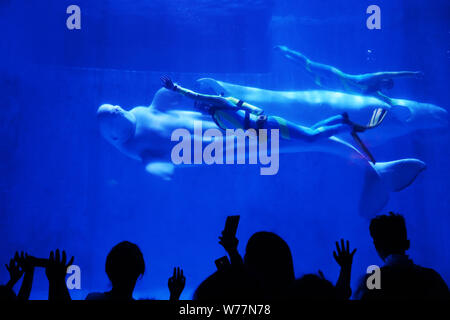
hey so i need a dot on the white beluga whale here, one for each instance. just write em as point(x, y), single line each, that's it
point(145, 134)
point(309, 106)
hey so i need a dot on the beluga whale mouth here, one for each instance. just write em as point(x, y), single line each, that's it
point(116, 124)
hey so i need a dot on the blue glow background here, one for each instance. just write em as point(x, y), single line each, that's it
point(63, 186)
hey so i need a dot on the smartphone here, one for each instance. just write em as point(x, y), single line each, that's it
point(231, 225)
point(222, 263)
point(38, 262)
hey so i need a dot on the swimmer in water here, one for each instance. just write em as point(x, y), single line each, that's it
point(232, 113)
point(332, 78)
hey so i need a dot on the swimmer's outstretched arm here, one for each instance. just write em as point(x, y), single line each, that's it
point(216, 101)
point(168, 84)
point(378, 76)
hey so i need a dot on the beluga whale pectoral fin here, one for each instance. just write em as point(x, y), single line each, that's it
point(165, 100)
point(216, 86)
point(161, 169)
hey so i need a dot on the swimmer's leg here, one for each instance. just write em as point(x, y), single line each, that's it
point(293, 55)
point(320, 132)
point(292, 131)
point(329, 121)
point(319, 71)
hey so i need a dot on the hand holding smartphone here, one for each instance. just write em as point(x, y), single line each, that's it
point(228, 238)
point(38, 262)
point(231, 225)
point(222, 263)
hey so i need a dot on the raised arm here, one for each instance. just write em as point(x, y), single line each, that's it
point(397, 74)
point(25, 263)
point(56, 275)
point(344, 258)
point(15, 272)
point(168, 84)
point(230, 244)
point(176, 284)
point(378, 80)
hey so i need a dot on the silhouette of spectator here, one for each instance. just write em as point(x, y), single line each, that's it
point(231, 281)
point(124, 265)
point(228, 284)
point(316, 287)
point(313, 287)
point(18, 266)
point(400, 278)
point(56, 271)
point(269, 260)
point(176, 284)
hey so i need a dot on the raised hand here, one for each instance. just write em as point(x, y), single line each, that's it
point(24, 262)
point(342, 254)
point(167, 83)
point(15, 271)
point(228, 242)
point(176, 284)
point(56, 274)
point(57, 266)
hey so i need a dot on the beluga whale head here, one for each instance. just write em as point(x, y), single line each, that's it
point(116, 124)
point(419, 115)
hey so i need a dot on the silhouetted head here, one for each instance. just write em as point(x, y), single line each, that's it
point(116, 124)
point(387, 84)
point(389, 234)
point(124, 265)
point(269, 259)
point(312, 287)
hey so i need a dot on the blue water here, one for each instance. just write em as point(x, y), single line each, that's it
point(63, 186)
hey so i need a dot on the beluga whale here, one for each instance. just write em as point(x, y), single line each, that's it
point(306, 107)
point(146, 134)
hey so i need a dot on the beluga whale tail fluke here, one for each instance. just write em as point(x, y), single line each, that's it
point(386, 177)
